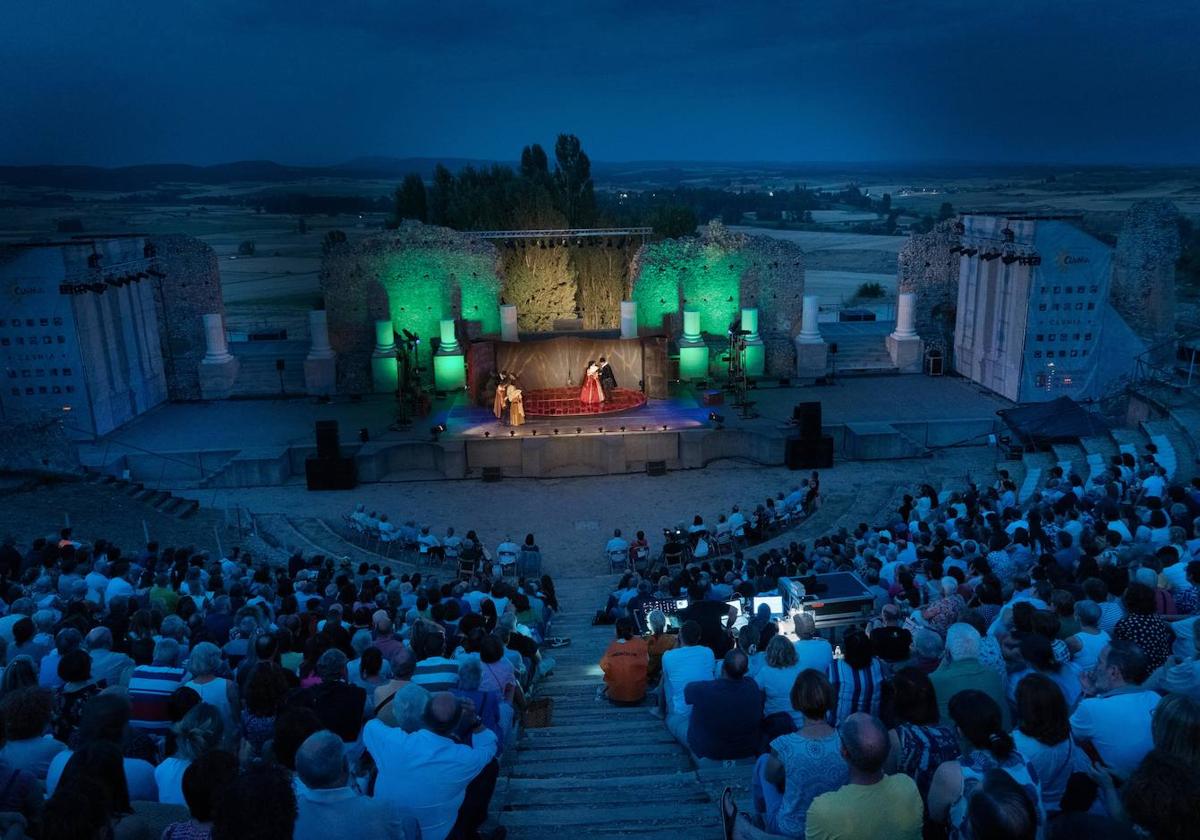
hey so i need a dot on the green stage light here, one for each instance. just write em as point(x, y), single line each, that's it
point(420, 280)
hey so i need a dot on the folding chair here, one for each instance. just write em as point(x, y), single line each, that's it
point(618, 560)
point(386, 540)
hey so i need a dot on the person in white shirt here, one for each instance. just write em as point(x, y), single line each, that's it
point(506, 553)
point(1113, 722)
point(811, 650)
point(427, 543)
point(688, 663)
point(1154, 485)
point(737, 522)
point(427, 772)
point(1085, 646)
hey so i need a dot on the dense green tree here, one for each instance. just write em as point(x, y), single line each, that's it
point(573, 182)
point(946, 211)
point(673, 221)
point(440, 196)
point(411, 200)
point(331, 240)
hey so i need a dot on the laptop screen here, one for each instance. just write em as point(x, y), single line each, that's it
point(775, 602)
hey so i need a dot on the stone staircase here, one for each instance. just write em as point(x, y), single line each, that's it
point(862, 347)
point(601, 771)
point(257, 374)
point(160, 500)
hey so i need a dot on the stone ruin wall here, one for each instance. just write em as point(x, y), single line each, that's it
point(772, 279)
point(928, 268)
point(355, 298)
point(191, 289)
point(1143, 287)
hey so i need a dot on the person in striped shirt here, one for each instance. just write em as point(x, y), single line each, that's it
point(150, 688)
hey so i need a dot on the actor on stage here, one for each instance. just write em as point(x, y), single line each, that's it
point(516, 405)
point(608, 380)
point(592, 393)
point(501, 389)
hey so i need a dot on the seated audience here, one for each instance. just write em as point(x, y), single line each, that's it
point(625, 665)
point(726, 712)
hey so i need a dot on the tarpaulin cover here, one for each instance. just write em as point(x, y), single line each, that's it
point(1057, 421)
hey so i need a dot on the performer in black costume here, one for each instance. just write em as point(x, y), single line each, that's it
point(607, 380)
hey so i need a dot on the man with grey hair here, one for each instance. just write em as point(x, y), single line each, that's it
point(107, 664)
point(338, 704)
point(327, 806)
point(446, 782)
point(151, 686)
point(961, 669)
point(872, 804)
point(1085, 646)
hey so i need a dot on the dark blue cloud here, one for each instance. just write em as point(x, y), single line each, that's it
point(120, 81)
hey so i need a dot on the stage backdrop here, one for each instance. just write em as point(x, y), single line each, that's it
point(561, 361)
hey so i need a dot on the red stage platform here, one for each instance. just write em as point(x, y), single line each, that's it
point(564, 402)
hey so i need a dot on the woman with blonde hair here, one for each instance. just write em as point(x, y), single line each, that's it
point(776, 678)
point(200, 730)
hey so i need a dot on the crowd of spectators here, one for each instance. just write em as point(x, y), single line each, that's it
point(1031, 668)
point(177, 695)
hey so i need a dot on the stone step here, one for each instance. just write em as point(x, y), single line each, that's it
point(587, 767)
point(628, 813)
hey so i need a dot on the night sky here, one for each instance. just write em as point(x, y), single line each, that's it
point(113, 82)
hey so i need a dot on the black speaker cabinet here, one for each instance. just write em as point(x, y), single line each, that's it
point(331, 473)
point(656, 468)
point(807, 416)
point(814, 454)
point(492, 474)
point(327, 439)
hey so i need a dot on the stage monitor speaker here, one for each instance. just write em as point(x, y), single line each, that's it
point(713, 398)
point(330, 473)
point(656, 468)
point(491, 474)
point(807, 416)
point(814, 454)
point(327, 439)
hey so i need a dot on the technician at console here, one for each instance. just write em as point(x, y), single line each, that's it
point(714, 617)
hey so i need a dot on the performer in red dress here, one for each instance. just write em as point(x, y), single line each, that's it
point(591, 393)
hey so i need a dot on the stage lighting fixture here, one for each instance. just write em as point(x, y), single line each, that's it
point(512, 432)
point(578, 430)
point(643, 428)
point(716, 419)
point(556, 431)
point(437, 430)
point(664, 427)
point(535, 432)
point(622, 428)
point(601, 430)
point(487, 434)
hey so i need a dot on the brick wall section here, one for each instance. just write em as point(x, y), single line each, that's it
point(1143, 288)
point(927, 267)
point(191, 289)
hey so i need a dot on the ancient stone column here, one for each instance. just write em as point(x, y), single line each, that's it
point(449, 363)
point(384, 370)
point(508, 322)
point(693, 352)
point(320, 366)
point(318, 331)
point(219, 368)
point(754, 357)
point(906, 316)
point(215, 348)
point(810, 333)
point(903, 344)
point(629, 319)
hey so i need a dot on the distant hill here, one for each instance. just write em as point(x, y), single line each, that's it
point(660, 173)
point(156, 175)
